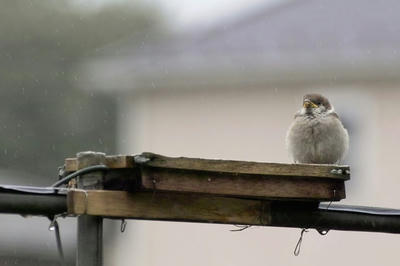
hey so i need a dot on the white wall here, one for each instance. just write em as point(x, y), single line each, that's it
point(251, 124)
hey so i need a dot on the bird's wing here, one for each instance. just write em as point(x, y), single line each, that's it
point(333, 114)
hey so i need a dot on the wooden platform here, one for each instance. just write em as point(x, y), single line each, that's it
point(168, 207)
point(240, 179)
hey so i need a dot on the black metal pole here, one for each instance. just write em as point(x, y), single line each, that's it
point(309, 216)
point(33, 204)
point(90, 228)
point(90, 241)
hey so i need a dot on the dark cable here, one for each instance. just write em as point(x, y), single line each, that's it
point(54, 224)
point(79, 172)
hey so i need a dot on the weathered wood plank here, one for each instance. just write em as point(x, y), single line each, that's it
point(114, 162)
point(229, 178)
point(71, 164)
point(227, 166)
point(249, 186)
point(168, 206)
point(244, 167)
point(210, 209)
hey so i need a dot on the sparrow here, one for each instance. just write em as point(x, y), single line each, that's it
point(317, 136)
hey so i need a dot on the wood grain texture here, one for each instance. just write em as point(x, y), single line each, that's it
point(211, 209)
point(112, 161)
point(168, 206)
point(228, 178)
point(249, 186)
point(71, 164)
point(227, 166)
point(244, 167)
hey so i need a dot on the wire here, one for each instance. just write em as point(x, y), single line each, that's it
point(59, 244)
point(54, 224)
point(79, 172)
point(55, 227)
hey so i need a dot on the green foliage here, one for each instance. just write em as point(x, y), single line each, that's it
point(43, 117)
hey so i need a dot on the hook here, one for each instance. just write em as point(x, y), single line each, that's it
point(53, 223)
point(296, 251)
point(123, 225)
point(55, 227)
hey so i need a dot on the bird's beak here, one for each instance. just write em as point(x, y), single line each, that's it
point(309, 104)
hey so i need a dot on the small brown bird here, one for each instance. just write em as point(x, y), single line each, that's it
point(317, 135)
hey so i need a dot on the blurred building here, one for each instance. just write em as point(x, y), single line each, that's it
point(230, 92)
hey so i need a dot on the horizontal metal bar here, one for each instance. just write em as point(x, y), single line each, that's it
point(33, 204)
point(30, 189)
point(359, 209)
point(291, 215)
point(233, 210)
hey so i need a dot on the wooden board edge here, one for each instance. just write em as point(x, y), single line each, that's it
point(223, 166)
point(246, 186)
point(169, 206)
point(328, 171)
point(77, 202)
point(112, 161)
point(71, 165)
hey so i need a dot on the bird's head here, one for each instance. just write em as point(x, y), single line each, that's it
point(315, 104)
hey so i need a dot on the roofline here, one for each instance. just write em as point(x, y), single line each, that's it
point(364, 72)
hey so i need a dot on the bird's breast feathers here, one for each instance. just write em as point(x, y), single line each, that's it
point(317, 139)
